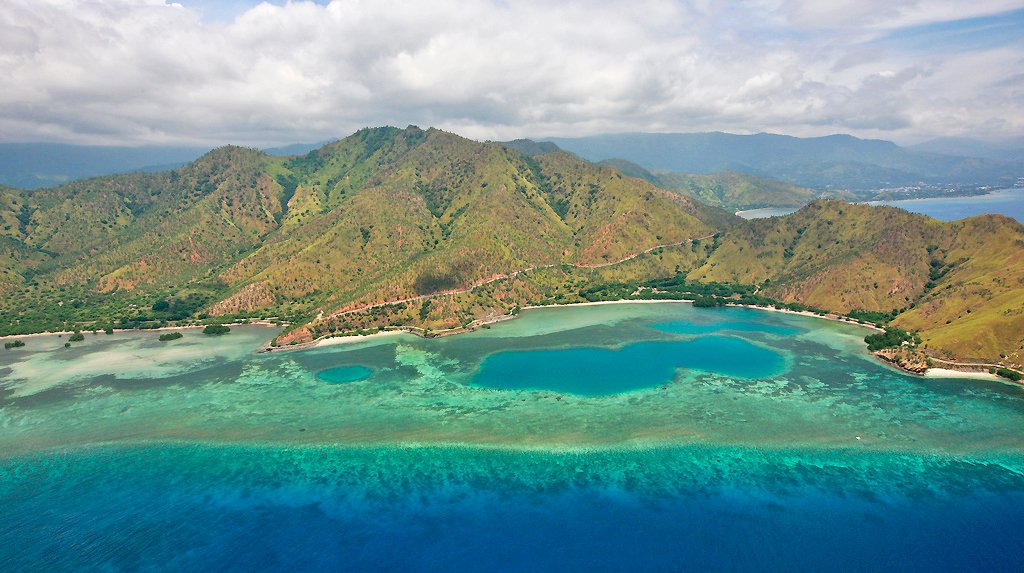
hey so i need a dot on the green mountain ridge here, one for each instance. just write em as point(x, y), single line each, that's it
point(386, 213)
point(729, 190)
point(960, 283)
point(424, 229)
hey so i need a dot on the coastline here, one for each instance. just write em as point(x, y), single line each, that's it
point(969, 372)
point(333, 340)
point(950, 373)
point(830, 316)
point(121, 330)
point(930, 373)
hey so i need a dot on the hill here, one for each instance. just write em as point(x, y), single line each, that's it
point(831, 162)
point(961, 284)
point(383, 214)
point(727, 190)
point(426, 230)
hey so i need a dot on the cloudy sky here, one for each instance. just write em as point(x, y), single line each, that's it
point(237, 71)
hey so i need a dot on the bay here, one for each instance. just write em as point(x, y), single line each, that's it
point(1009, 202)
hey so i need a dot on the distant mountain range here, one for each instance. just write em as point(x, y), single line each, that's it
point(1011, 150)
point(38, 165)
point(728, 189)
point(832, 162)
point(426, 230)
point(822, 163)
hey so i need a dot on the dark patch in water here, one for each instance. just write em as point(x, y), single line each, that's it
point(345, 374)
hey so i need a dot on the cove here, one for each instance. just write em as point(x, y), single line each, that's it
point(592, 371)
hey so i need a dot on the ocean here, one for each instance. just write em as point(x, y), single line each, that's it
point(684, 439)
point(1009, 202)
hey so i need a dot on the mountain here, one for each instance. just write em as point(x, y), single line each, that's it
point(1001, 150)
point(383, 214)
point(295, 148)
point(960, 283)
point(831, 162)
point(530, 147)
point(426, 230)
point(727, 190)
point(37, 165)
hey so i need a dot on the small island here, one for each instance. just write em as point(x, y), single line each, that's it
point(216, 329)
point(168, 336)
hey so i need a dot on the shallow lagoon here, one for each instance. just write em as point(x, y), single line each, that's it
point(125, 453)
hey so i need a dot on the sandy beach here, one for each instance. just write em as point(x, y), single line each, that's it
point(949, 373)
point(832, 317)
point(118, 330)
point(334, 340)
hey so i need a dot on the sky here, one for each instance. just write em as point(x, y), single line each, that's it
point(201, 72)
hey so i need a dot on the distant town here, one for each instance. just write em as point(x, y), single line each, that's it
point(925, 190)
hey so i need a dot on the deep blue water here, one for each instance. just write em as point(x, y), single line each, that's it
point(659, 438)
point(1009, 202)
point(199, 508)
point(603, 371)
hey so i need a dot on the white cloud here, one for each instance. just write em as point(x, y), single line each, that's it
point(138, 71)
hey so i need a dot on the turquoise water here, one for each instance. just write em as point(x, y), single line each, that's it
point(601, 371)
point(674, 438)
point(689, 327)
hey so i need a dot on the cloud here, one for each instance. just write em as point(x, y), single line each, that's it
point(145, 71)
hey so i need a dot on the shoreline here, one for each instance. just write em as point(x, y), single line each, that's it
point(970, 371)
point(334, 340)
point(356, 338)
point(930, 373)
point(950, 373)
point(831, 316)
point(9, 337)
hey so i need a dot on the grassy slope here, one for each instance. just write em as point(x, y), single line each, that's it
point(727, 190)
point(390, 213)
point(846, 257)
point(383, 214)
point(977, 308)
point(413, 212)
point(113, 242)
point(731, 190)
